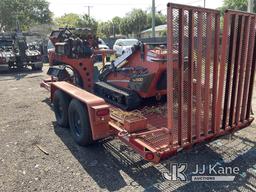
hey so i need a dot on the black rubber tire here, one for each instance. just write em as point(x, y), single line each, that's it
point(34, 68)
point(60, 106)
point(11, 65)
point(78, 81)
point(79, 123)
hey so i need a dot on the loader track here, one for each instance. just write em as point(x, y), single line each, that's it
point(120, 97)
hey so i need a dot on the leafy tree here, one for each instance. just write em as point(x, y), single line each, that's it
point(116, 21)
point(160, 19)
point(126, 26)
point(27, 12)
point(109, 28)
point(88, 22)
point(68, 20)
point(133, 22)
point(237, 5)
point(105, 29)
point(75, 20)
point(138, 20)
point(42, 29)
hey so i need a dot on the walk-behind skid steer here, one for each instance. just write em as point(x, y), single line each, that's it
point(139, 74)
point(158, 100)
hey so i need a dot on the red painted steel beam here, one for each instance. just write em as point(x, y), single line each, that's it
point(248, 69)
point(242, 68)
point(170, 71)
point(239, 13)
point(215, 70)
point(230, 65)
point(195, 9)
point(199, 74)
point(218, 109)
point(181, 78)
point(207, 72)
point(249, 103)
point(190, 74)
point(236, 67)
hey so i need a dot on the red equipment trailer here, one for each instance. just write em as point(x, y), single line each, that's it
point(209, 97)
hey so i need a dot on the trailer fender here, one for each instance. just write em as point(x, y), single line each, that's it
point(98, 109)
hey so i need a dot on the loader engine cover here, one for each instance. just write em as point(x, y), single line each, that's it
point(62, 48)
point(59, 72)
point(141, 82)
point(73, 48)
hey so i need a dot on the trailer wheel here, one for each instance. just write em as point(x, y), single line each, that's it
point(34, 68)
point(60, 106)
point(79, 123)
point(37, 68)
point(78, 81)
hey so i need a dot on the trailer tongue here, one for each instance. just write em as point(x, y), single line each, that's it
point(208, 86)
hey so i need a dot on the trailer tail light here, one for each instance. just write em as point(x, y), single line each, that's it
point(102, 112)
point(149, 156)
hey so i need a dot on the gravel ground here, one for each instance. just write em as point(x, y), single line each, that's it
point(27, 123)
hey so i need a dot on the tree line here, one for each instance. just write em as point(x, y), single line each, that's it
point(31, 13)
point(133, 23)
point(25, 12)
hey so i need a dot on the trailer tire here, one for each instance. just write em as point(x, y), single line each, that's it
point(37, 68)
point(78, 81)
point(79, 123)
point(60, 106)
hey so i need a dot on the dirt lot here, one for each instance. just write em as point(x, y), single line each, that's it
point(27, 121)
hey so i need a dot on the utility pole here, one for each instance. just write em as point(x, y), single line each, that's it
point(89, 10)
point(17, 26)
point(250, 6)
point(114, 31)
point(153, 18)
point(204, 3)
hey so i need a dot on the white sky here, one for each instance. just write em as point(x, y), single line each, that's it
point(107, 9)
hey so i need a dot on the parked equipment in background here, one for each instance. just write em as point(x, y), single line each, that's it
point(7, 54)
point(15, 53)
point(208, 85)
point(121, 45)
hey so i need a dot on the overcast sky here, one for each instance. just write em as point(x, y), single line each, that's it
point(106, 9)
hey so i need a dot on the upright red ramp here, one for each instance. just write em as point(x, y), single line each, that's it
point(210, 92)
